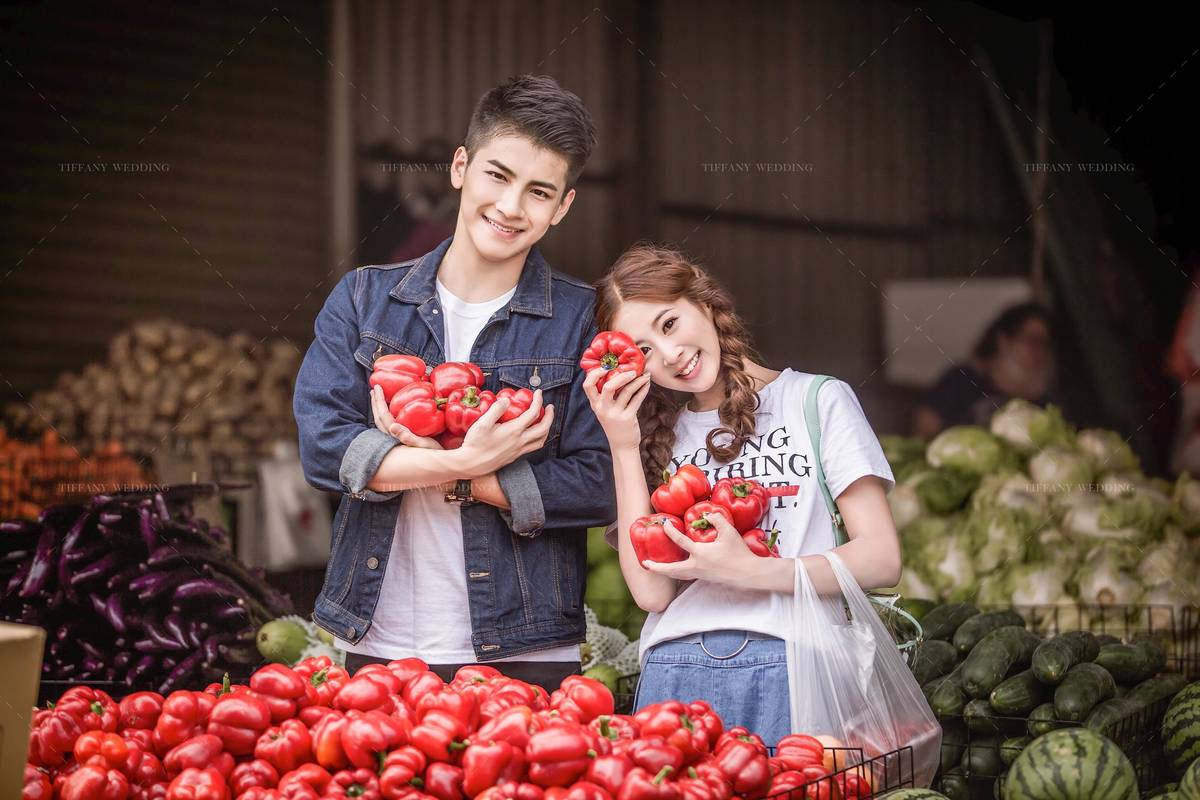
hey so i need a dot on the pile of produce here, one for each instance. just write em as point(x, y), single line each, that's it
point(996, 687)
point(131, 587)
point(292, 638)
point(167, 387)
point(399, 731)
point(1031, 512)
point(33, 476)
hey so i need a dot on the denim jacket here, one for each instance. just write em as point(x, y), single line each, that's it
point(525, 568)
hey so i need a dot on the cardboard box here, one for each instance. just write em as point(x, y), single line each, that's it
point(21, 649)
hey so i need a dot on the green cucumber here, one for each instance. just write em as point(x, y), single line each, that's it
point(955, 785)
point(1084, 686)
point(981, 719)
point(1151, 690)
point(1106, 638)
point(941, 622)
point(954, 740)
point(1152, 646)
point(1055, 656)
point(982, 758)
point(1127, 663)
point(1011, 747)
point(1018, 695)
point(933, 659)
point(1042, 720)
point(995, 656)
point(972, 631)
point(1102, 717)
point(945, 694)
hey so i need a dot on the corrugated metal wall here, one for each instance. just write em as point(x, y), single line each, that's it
point(220, 223)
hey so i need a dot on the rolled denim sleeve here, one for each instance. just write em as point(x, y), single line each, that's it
point(574, 490)
point(340, 449)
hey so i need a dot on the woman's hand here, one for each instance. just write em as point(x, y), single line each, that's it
point(726, 559)
point(616, 405)
point(387, 423)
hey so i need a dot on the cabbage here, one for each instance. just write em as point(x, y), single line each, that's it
point(913, 585)
point(970, 448)
point(1029, 428)
point(1143, 510)
point(1053, 545)
point(1000, 536)
point(1185, 506)
point(942, 491)
point(900, 450)
point(1107, 451)
point(905, 505)
point(1008, 490)
point(1105, 577)
point(1168, 562)
point(1064, 469)
point(1103, 520)
point(994, 590)
point(1061, 504)
point(1039, 584)
point(945, 561)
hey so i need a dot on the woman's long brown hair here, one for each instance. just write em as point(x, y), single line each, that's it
point(651, 273)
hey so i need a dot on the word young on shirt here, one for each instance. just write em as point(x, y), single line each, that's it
point(765, 458)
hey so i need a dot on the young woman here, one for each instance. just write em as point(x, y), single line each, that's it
point(716, 617)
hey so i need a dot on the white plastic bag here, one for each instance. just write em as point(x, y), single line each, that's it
point(847, 679)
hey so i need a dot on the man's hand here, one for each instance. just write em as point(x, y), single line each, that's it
point(387, 423)
point(490, 445)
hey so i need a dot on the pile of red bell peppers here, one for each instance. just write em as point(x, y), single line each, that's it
point(443, 402)
point(687, 501)
point(313, 732)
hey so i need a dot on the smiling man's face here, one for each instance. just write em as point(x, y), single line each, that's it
point(512, 192)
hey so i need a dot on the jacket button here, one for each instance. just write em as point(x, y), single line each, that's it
point(372, 563)
point(535, 380)
point(350, 633)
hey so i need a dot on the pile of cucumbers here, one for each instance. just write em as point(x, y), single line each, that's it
point(996, 686)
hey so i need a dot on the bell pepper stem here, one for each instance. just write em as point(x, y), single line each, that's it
point(692, 773)
point(662, 774)
point(417, 782)
point(771, 541)
point(609, 361)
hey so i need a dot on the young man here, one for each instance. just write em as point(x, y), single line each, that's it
point(477, 553)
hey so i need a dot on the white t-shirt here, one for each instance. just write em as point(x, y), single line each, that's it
point(422, 609)
point(780, 454)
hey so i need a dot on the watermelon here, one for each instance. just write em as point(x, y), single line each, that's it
point(1071, 764)
point(1181, 729)
point(913, 794)
point(1189, 787)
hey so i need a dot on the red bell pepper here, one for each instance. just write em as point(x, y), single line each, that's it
point(393, 372)
point(109, 748)
point(615, 727)
point(140, 737)
point(418, 408)
point(184, 715)
point(249, 774)
point(363, 693)
point(853, 785)
point(679, 492)
point(239, 719)
point(643, 785)
point(696, 789)
point(513, 725)
point(582, 790)
point(283, 690)
point(787, 781)
point(261, 793)
point(510, 693)
point(452, 375)
point(439, 735)
point(745, 766)
point(53, 738)
point(327, 742)
point(582, 697)
point(453, 702)
point(671, 721)
point(408, 669)
point(324, 676)
point(401, 771)
point(360, 783)
point(759, 543)
point(94, 709)
point(697, 527)
point(610, 771)
point(513, 791)
point(519, 401)
point(703, 716)
point(444, 781)
point(558, 755)
point(819, 784)
point(711, 774)
point(488, 764)
point(798, 751)
point(139, 710)
point(307, 779)
point(652, 753)
point(198, 784)
point(740, 734)
point(650, 541)
point(422, 685)
point(746, 500)
point(96, 782)
point(36, 784)
point(285, 746)
point(465, 406)
point(381, 674)
point(204, 750)
point(615, 352)
point(367, 737)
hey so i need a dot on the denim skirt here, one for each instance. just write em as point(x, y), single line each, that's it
point(743, 676)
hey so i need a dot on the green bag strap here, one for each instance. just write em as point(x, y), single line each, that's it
point(812, 418)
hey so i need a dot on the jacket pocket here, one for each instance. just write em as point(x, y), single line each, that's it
point(553, 379)
point(372, 345)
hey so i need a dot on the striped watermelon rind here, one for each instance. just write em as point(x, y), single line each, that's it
point(1071, 764)
point(913, 794)
point(1189, 786)
point(1181, 729)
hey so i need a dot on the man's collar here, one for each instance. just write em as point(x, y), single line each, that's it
point(533, 288)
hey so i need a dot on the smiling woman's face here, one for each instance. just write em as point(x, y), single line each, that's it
point(679, 340)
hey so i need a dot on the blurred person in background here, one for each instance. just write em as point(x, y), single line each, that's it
point(1013, 358)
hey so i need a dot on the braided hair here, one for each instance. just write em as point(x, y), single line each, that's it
point(649, 272)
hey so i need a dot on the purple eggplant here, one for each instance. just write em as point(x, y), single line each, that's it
point(158, 583)
point(141, 670)
point(173, 624)
point(146, 529)
point(114, 611)
point(121, 578)
point(160, 505)
point(122, 660)
point(100, 568)
point(180, 673)
point(42, 564)
point(239, 653)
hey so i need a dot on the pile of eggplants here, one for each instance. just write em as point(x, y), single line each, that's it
point(132, 588)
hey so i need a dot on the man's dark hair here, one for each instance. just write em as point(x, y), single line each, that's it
point(536, 107)
point(1010, 322)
